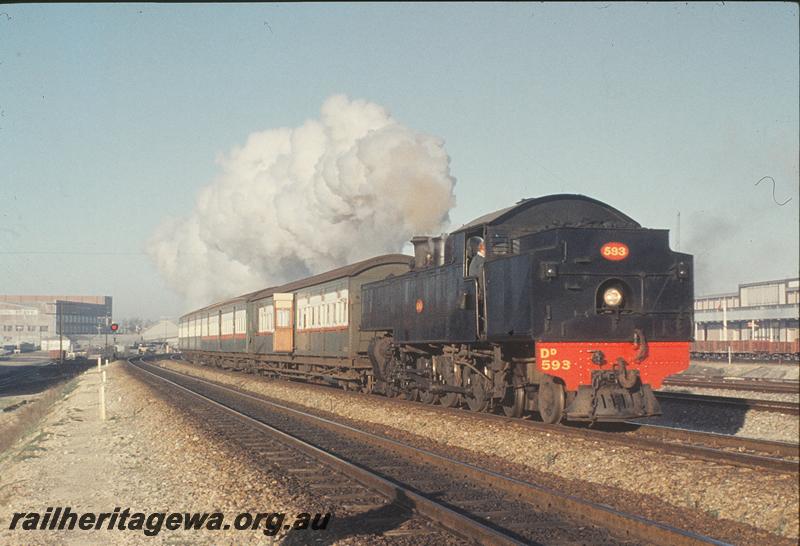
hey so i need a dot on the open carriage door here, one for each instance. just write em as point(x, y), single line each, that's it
point(284, 327)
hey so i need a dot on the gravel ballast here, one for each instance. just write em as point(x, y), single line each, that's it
point(765, 501)
point(762, 425)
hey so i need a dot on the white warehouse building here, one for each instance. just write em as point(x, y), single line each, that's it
point(765, 311)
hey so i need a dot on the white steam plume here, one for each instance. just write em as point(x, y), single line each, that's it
point(296, 202)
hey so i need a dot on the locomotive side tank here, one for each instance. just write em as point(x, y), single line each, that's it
point(574, 310)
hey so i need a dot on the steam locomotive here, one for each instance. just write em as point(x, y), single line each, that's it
point(560, 305)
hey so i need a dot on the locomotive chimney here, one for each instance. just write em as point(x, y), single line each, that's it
point(423, 254)
point(438, 250)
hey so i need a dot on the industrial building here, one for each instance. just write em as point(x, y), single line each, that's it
point(761, 311)
point(164, 331)
point(33, 319)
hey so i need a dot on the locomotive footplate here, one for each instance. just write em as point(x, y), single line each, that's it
point(606, 400)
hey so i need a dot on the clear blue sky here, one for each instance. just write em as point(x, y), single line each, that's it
point(112, 117)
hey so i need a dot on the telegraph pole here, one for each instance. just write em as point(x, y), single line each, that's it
point(724, 319)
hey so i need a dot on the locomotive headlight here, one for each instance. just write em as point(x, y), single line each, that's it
point(612, 297)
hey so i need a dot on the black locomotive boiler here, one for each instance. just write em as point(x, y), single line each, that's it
point(560, 305)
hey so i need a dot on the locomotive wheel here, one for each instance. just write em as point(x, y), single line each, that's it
point(401, 394)
point(450, 399)
point(475, 384)
point(424, 365)
point(551, 402)
point(514, 402)
point(427, 397)
point(389, 390)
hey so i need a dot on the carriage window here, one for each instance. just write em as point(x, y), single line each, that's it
point(266, 318)
point(227, 324)
point(241, 319)
point(284, 318)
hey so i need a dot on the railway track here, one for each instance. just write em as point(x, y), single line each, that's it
point(782, 359)
point(475, 503)
point(768, 454)
point(715, 448)
point(27, 377)
point(788, 408)
point(328, 478)
point(737, 384)
point(11, 382)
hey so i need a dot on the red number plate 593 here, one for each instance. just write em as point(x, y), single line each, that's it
point(614, 251)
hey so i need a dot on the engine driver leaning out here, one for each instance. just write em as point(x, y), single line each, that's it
point(476, 253)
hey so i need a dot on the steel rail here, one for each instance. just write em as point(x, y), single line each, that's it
point(707, 446)
point(744, 384)
point(633, 526)
point(450, 519)
point(788, 408)
point(780, 449)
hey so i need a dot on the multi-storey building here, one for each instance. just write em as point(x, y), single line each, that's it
point(32, 319)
